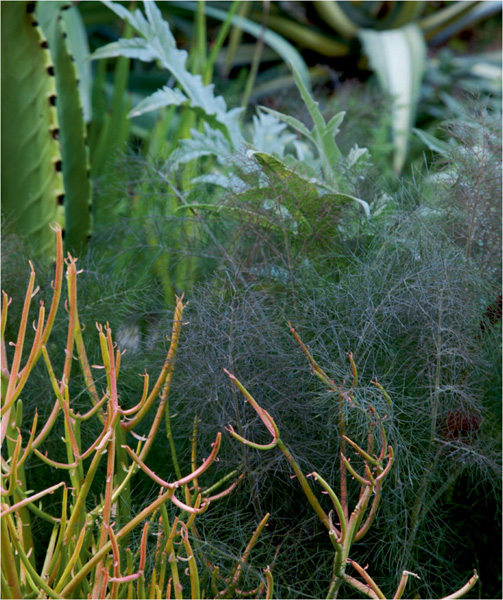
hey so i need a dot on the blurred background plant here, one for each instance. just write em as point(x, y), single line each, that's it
point(405, 272)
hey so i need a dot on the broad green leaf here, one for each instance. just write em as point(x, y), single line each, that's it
point(301, 179)
point(432, 142)
point(32, 183)
point(72, 134)
point(288, 169)
point(398, 57)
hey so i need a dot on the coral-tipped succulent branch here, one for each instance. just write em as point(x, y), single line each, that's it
point(88, 553)
point(350, 526)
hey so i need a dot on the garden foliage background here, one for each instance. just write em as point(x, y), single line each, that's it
point(335, 165)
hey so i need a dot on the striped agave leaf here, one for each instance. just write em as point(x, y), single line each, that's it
point(32, 183)
point(75, 156)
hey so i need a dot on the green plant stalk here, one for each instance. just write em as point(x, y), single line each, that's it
point(169, 550)
point(107, 508)
point(200, 39)
point(172, 447)
point(235, 37)
point(72, 561)
point(12, 393)
point(306, 36)
point(50, 553)
point(76, 520)
point(193, 571)
point(5, 590)
point(20, 475)
point(305, 485)
point(167, 370)
point(218, 43)
point(259, 46)
point(28, 566)
point(60, 550)
point(122, 478)
point(9, 570)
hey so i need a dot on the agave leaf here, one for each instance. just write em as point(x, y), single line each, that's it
point(77, 202)
point(79, 49)
point(466, 20)
point(32, 181)
point(333, 14)
point(398, 58)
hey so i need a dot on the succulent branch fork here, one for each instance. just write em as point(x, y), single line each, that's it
point(89, 551)
point(351, 526)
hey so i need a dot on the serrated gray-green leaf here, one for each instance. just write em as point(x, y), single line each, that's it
point(166, 96)
point(322, 135)
point(355, 155)
point(335, 121)
point(136, 18)
point(229, 182)
point(303, 152)
point(291, 121)
point(209, 142)
point(72, 132)
point(309, 102)
point(31, 182)
point(159, 44)
point(135, 48)
point(268, 134)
